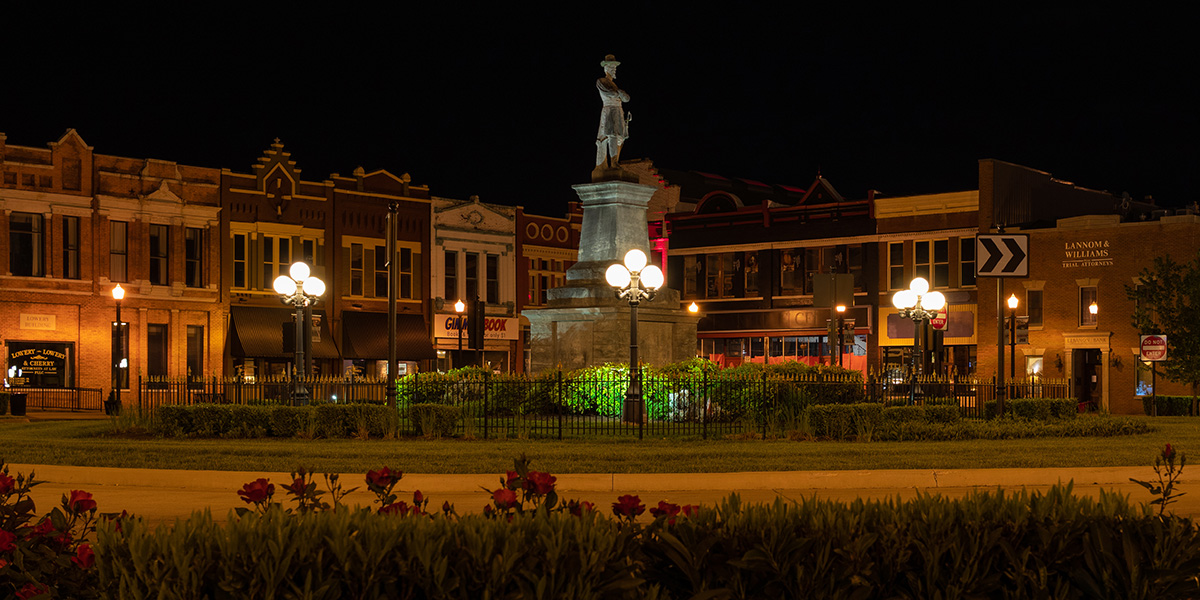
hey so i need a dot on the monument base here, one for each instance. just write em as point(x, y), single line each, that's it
point(572, 338)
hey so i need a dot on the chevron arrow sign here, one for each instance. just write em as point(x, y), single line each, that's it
point(1002, 255)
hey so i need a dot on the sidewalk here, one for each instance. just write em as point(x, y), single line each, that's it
point(164, 495)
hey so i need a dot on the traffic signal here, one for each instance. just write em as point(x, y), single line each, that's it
point(475, 318)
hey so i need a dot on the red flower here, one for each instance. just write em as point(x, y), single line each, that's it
point(6, 541)
point(257, 491)
point(690, 510)
point(3, 563)
point(418, 498)
point(488, 510)
point(541, 483)
point(504, 499)
point(396, 508)
point(577, 508)
point(447, 507)
point(6, 483)
point(80, 502)
point(298, 486)
point(383, 477)
point(628, 506)
point(31, 590)
point(84, 557)
point(118, 519)
point(1168, 453)
point(512, 480)
point(43, 528)
point(665, 509)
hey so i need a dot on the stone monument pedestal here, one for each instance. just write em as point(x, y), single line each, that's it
point(585, 323)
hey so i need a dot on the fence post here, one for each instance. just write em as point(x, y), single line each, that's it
point(139, 391)
point(559, 404)
point(704, 404)
point(485, 405)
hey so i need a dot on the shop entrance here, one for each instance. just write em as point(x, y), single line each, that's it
point(1086, 366)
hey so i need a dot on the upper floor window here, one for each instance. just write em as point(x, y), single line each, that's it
point(721, 270)
point(451, 277)
point(1033, 307)
point(25, 245)
point(118, 251)
point(492, 267)
point(70, 235)
point(472, 275)
point(896, 266)
point(356, 269)
point(277, 258)
point(239, 260)
point(193, 248)
point(159, 250)
point(1087, 299)
point(966, 262)
point(381, 272)
point(405, 273)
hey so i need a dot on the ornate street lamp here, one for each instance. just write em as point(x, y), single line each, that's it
point(920, 305)
point(636, 281)
point(841, 331)
point(459, 307)
point(300, 290)
point(118, 294)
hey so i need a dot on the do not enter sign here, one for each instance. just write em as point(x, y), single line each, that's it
point(1154, 347)
point(940, 321)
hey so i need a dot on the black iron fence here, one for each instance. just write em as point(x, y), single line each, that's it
point(72, 399)
point(560, 406)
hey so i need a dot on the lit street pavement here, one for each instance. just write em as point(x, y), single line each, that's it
point(165, 495)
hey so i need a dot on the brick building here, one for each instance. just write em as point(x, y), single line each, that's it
point(273, 217)
point(79, 223)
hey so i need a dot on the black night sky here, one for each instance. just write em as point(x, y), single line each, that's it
point(501, 103)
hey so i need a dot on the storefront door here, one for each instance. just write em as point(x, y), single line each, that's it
point(1087, 366)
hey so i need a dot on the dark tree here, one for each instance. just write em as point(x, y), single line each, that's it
point(1167, 301)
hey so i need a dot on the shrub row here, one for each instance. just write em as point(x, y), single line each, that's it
point(1037, 409)
point(232, 420)
point(1168, 406)
point(939, 422)
point(986, 545)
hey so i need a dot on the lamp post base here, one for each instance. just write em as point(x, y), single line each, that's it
point(634, 410)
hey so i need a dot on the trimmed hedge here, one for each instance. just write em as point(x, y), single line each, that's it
point(1168, 406)
point(1036, 409)
point(1009, 429)
point(985, 545)
point(239, 421)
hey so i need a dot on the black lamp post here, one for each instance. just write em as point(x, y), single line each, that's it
point(300, 290)
point(118, 294)
point(636, 281)
point(1012, 341)
point(459, 307)
point(920, 305)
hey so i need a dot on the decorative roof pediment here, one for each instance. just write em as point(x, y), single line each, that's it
point(276, 171)
point(164, 194)
point(821, 192)
point(473, 216)
point(71, 138)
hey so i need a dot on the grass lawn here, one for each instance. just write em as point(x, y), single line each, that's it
point(83, 443)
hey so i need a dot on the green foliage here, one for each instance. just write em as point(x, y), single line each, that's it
point(598, 390)
point(841, 421)
point(240, 421)
point(1168, 406)
point(435, 420)
point(1008, 429)
point(1037, 409)
point(424, 388)
point(1167, 301)
point(356, 554)
point(987, 544)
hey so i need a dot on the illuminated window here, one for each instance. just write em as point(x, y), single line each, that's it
point(277, 259)
point(1087, 297)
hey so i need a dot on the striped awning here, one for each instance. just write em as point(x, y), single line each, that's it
point(259, 332)
point(364, 336)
